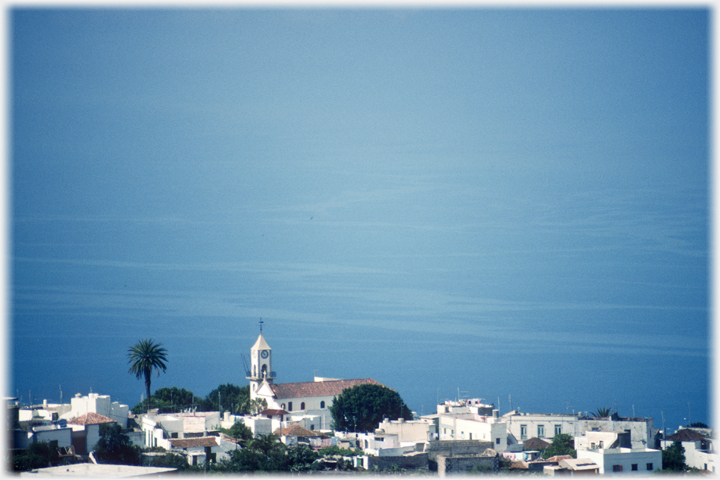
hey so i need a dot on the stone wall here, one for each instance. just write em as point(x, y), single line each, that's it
point(453, 448)
point(411, 461)
point(459, 465)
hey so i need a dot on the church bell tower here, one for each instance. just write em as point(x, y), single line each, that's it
point(260, 364)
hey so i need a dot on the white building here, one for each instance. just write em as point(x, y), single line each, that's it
point(639, 461)
point(699, 451)
point(160, 429)
point(472, 426)
point(100, 404)
point(86, 431)
point(523, 426)
point(409, 431)
point(594, 440)
point(305, 400)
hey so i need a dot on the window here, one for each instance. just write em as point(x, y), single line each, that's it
point(649, 466)
point(322, 404)
point(600, 444)
point(523, 432)
point(617, 468)
point(634, 467)
point(497, 441)
point(541, 431)
point(592, 446)
point(289, 406)
point(558, 429)
point(302, 406)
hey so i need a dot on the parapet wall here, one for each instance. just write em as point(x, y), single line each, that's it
point(453, 448)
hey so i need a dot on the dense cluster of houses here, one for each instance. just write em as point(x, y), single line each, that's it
point(463, 434)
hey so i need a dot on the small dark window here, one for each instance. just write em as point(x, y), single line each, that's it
point(649, 466)
point(497, 441)
point(634, 467)
point(617, 468)
point(322, 404)
point(302, 406)
point(289, 406)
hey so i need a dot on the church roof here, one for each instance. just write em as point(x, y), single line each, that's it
point(317, 389)
point(261, 344)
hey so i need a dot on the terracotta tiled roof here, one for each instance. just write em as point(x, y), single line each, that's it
point(317, 389)
point(91, 419)
point(193, 442)
point(273, 412)
point(557, 458)
point(297, 431)
point(535, 444)
point(686, 435)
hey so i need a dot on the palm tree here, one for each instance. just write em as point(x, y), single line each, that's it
point(603, 412)
point(145, 356)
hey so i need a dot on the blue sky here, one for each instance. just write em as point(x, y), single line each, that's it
point(532, 180)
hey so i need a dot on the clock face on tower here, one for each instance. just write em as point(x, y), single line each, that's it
point(264, 353)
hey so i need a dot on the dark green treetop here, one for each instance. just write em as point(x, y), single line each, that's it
point(362, 407)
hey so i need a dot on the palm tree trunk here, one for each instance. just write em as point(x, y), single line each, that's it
point(148, 374)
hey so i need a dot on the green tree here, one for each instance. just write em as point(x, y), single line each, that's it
point(238, 431)
point(562, 444)
point(697, 425)
point(673, 458)
point(37, 455)
point(265, 453)
point(115, 447)
point(144, 357)
point(227, 397)
point(362, 407)
point(170, 399)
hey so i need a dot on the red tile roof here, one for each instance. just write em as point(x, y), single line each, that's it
point(297, 431)
point(193, 442)
point(91, 419)
point(272, 412)
point(686, 435)
point(317, 389)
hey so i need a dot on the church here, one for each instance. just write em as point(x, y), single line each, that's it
point(306, 402)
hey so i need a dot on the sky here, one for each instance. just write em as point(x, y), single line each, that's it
point(480, 199)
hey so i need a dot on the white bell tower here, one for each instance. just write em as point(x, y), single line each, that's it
point(260, 364)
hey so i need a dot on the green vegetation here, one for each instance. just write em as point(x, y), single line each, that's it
point(37, 455)
point(345, 452)
point(673, 458)
point(605, 412)
point(266, 453)
point(227, 397)
point(238, 431)
point(144, 357)
point(115, 447)
point(697, 425)
point(170, 399)
point(562, 444)
point(362, 407)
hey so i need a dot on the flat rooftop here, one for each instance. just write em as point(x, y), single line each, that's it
point(97, 471)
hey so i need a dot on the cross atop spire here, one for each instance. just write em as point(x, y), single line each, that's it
point(261, 324)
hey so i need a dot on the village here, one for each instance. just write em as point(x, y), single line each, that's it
point(463, 436)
